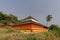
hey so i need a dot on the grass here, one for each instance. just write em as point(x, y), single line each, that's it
point(10, 34)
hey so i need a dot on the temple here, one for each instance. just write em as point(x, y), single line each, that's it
point(30, 24)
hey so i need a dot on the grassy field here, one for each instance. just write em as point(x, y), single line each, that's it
point(10, 34)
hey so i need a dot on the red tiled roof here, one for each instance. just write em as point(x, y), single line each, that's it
point(30, 21)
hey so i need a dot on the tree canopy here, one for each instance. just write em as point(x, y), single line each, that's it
point(48, 18)
point(8, 18)
point(53, 27)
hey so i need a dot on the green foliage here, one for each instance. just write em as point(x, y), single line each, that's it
point(8, 19)
point(13, 18)
point(48, 18)
point(53, 27)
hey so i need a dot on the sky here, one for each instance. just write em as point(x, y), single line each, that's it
point(38, 9)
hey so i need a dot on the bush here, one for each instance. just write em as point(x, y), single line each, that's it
point(17, 35)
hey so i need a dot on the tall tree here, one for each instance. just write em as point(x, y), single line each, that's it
point(48, 18)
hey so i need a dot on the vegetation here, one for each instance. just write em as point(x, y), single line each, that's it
point(12, 34)
point(55, 28)
point(8, 19)
point(48, 18)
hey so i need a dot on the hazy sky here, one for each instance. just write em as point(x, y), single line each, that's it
point(39, 9)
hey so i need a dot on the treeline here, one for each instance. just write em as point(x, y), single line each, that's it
point(55, 29)
point(8, 19)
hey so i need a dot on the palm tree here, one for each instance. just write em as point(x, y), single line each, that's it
point(48, 18)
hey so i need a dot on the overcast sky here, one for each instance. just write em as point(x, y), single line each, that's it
point(38, 9)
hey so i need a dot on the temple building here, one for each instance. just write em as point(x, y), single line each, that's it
point(30, 24)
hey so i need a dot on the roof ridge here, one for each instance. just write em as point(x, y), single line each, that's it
point(30, 17)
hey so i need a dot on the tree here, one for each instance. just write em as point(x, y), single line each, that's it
point(8, 19)
point(54, 27)
point(13, 18)
point(48, 18)
point(1, 16)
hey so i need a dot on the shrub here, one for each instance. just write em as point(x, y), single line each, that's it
point(17, 35)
